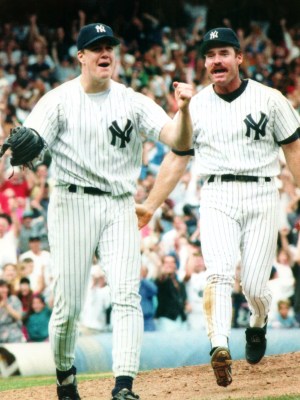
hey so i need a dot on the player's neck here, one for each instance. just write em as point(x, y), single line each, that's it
point(94, 86)
point(229, 88)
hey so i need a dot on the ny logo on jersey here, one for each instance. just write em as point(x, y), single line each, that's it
point(214, 35)
point(123, 135)
point(259, 127)
point(100, 28)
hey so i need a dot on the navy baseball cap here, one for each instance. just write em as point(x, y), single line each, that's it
point(219, 37)
point(92, 33)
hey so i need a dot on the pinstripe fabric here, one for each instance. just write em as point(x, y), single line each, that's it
point(237, 219)
point(238, 222)
point(78, 224)
point(220, 141)
point(96, 140)
point(76, 126)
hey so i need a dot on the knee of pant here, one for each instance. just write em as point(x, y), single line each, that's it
point(253, 293)
point(220, 279)
point(68, 313)
point(124, 298)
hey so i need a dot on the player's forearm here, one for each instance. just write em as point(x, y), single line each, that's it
point(177, 133)
point(292, 156)
point(13, 313)
point(184, 131)
point(170, 171)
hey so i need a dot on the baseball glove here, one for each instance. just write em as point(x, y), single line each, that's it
point(25, 145)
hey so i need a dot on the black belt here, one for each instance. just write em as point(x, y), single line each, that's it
point(238, 178)
point(87, 190)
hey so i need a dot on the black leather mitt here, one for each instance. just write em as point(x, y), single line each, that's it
point(25, 145)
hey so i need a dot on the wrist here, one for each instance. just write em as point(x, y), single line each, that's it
point(151, 208)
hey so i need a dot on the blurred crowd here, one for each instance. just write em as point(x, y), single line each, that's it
point(35, 58)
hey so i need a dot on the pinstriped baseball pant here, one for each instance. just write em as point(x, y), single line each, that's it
point(238, 222)
point(78, 224)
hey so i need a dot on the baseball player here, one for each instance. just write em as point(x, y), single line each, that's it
point(239, 127)
point(93, 127)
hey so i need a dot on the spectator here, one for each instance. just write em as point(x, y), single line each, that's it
point(282, 284)
point(195, 281)
point(30, 226)
point(60, 45)
point(10, 315)
point(168, 239)
point(17, 182)
point(292, 42)
point(96, 310)
point(171, 298)
point(153, 154)
point(25, 295)
point(150, 255)
point(8, 249)
point(284, 317)
point(148, 292)
point(10, 274)
point(34, 272)
point(41, 258)
point(38, 320)
point(185, 193)
point(257, 42)
point(164, 217)
point(190, 218)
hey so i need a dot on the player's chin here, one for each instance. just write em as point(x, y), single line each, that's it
point(218, 77)
point(104, 75)
point(104, 71)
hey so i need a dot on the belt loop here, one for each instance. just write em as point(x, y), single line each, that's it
point(211, 179)
point(72, 188)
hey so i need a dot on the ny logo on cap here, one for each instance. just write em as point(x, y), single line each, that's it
point(100, 28)
point(214, 35)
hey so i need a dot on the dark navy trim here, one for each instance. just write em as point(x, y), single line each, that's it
point(229, 97)
point(190, 152)
point(291, 139)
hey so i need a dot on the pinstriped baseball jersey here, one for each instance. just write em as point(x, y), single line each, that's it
point(96, 141)
point(93, 147)
point(239, 133)
point(245, 140)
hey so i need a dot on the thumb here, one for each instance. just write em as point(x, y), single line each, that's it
point(175, 84)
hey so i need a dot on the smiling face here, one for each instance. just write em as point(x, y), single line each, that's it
point(37, 304)
point(4, 291)
point(222, 64)
point(98, 63)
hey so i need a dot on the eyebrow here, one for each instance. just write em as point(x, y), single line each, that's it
point(218, 49)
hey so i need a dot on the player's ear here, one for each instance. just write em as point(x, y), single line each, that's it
point(80, 56)
point(240, 57)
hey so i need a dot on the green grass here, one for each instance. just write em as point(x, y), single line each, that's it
point(20, 382)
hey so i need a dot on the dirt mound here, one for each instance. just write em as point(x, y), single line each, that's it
point(274, 375)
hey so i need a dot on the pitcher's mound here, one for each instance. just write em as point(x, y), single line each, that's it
point(274, 375)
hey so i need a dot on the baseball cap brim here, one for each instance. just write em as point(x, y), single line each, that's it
point(217, 43)
point(112, 40)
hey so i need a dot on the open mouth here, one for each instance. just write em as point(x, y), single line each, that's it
point(219, 71)
point(104, 65)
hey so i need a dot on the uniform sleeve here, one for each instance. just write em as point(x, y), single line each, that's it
point(46, 117)
point(151, 118)
point(286, 121)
